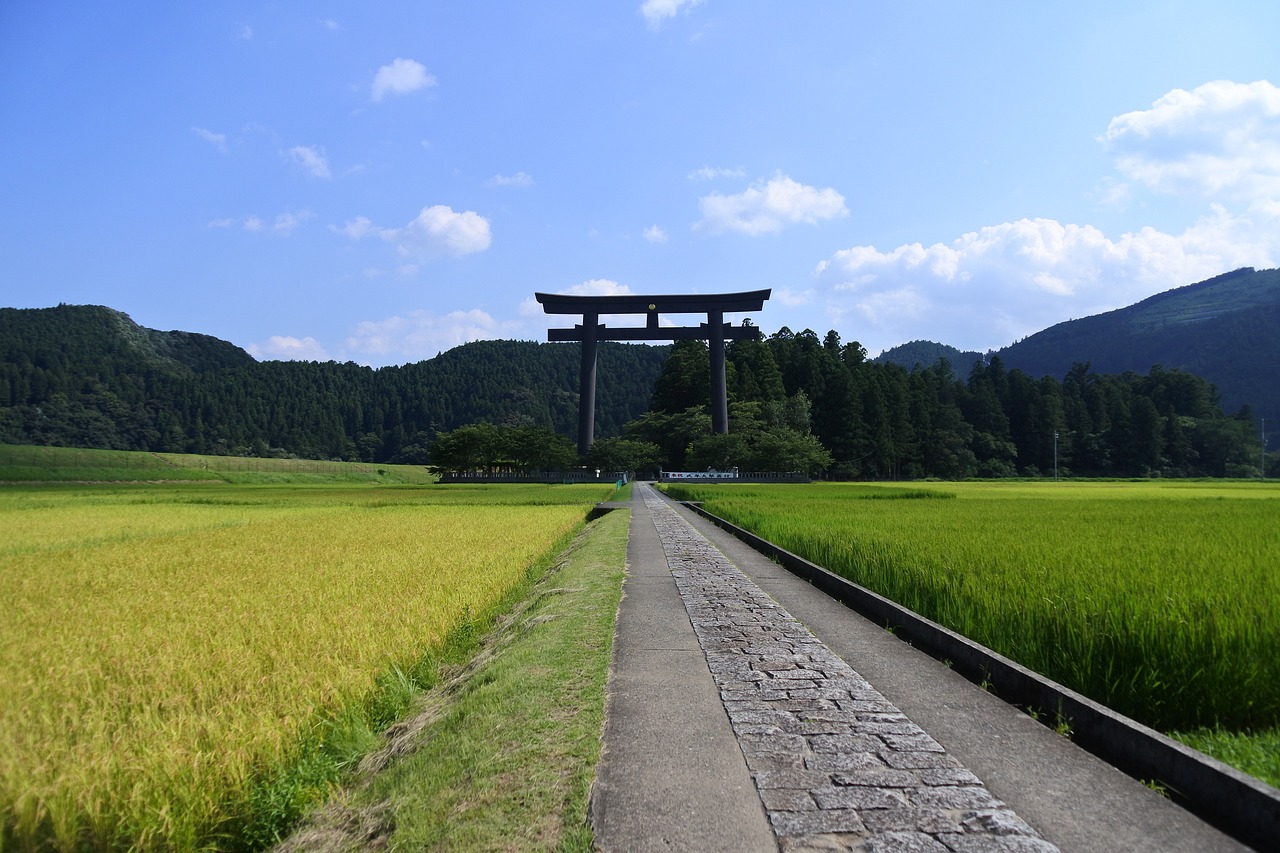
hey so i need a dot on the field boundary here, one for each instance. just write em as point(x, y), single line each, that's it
point(1232, 801)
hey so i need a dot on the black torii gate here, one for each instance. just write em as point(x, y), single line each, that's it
point(591, 331)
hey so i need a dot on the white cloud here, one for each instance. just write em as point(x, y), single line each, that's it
point(437, 230)
point(1220, 140)
point(401, 77)
point(655, 234)
point(285, 348)
point(330, 24)
point(422, 334)
point(655, 12)
point(519, 179)
point(592, 287)
point(312, 159)
point(766, 207)
point(440, 230)
point(286, 223)
point(993, 286)
point(597, 287)
point(710, 173)
point(356, 229)
point(217, 140)
point(245, 33)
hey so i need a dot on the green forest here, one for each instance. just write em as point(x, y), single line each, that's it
point(86, 376)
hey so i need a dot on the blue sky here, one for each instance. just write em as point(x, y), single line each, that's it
point(381, 181)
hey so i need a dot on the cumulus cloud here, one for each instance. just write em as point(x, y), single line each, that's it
point(400, 77)
point(766, 207)
point(440, 230)
point(995, 285)
point(1220, 140)
point(310, 158)
point(217, 140)
point(655, 12)
point(422, 334)
point(519, 179)
point(437, 230)
point(285, 348)
point(655, 234)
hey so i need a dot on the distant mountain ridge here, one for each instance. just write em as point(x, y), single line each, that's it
point(1225, 329)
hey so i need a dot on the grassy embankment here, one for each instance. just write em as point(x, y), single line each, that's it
point(195, 665)
point(30, 464)
point(1161, 600)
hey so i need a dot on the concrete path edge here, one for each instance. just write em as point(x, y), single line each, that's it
point(1233, 802)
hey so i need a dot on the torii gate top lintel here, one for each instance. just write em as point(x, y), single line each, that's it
point(556, 303)
point(590, 332)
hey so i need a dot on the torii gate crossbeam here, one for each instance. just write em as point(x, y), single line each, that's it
point(591, 331)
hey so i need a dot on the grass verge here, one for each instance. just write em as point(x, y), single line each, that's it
point(501, 754)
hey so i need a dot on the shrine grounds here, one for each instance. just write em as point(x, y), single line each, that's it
point(1160, 600)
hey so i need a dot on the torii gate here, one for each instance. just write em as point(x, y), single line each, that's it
point(590, 332)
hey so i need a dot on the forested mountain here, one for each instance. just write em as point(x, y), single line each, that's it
point(924, 353)
point(87, 376)
point(1225, 329)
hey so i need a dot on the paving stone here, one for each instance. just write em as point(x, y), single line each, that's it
point(816, 822)
point(917, 760)
point(842, 761)
point(859, 798)
point(773, 760)
point(956, 797)
point(845, 743)
point(933, 821)
point(788, 800)
point(792, 779)
point(879, 777)
point(901, 842)
point(998, 844)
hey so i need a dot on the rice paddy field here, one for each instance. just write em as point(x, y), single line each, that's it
point(167, 650)
point(1158, 599)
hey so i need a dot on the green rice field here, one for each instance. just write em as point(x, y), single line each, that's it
point(1158, 599)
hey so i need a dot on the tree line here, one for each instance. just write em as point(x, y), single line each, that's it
point(83, 376)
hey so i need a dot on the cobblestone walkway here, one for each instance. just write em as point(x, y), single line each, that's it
point(837, 766)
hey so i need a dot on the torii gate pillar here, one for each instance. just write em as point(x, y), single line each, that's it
point(590, 332)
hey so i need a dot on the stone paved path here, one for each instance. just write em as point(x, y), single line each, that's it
point(836, 765)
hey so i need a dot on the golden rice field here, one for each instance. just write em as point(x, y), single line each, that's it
point(163, 646)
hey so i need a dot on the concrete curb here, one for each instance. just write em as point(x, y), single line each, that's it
point(1233, 802)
